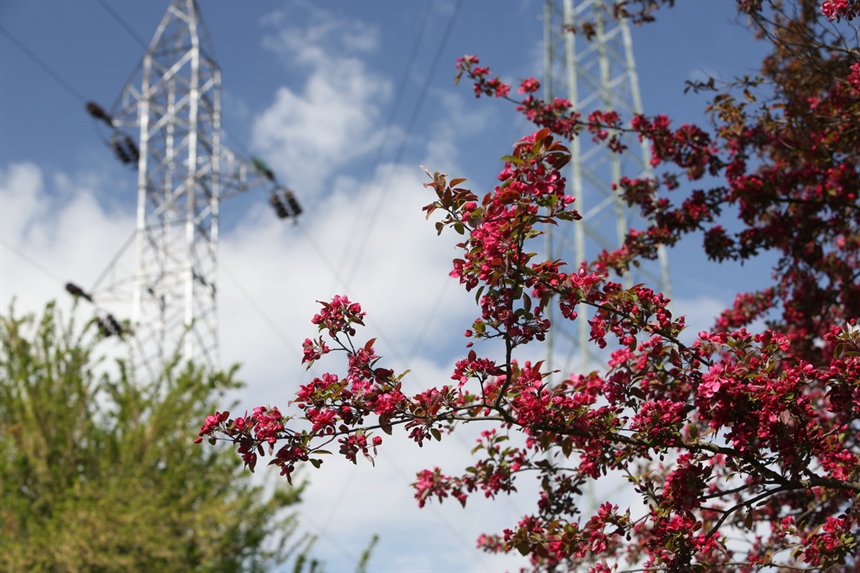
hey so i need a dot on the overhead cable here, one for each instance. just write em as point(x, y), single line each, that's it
point(124, 24)
point(43, 65)
point(260, 311)
point(389, 123)
point(33, 262)
point(374, 213)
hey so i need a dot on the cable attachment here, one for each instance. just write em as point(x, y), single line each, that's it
point(131, 147)
point(110, 326)
point(125, 149)
point(97, 112)
point(292, 203)
point(278, 206)
point(285, 208)
point(77, 291)
point(264, 170)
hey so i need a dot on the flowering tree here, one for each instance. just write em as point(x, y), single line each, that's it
point(735, 434)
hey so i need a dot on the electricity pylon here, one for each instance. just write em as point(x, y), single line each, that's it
point(594, 74)
point(184, 172)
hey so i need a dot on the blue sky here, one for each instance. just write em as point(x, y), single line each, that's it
point(326, 93)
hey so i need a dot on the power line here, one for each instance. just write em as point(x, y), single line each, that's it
point(33, 262)
point(374, 214)
point(123, 23)
point(345, 281)
point(43, 65)
point(398, 155)
point(114, 260)
point(259, 310)
point(398, 96)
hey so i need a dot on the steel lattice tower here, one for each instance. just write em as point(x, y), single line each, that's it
point(595, 74)
point(184, 172)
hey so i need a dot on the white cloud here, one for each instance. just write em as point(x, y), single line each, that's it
point(59, 232)
point(21, 191)
point(306, 135)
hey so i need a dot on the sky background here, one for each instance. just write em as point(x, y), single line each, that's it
point(344, 101)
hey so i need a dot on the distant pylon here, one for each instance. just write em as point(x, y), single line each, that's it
point(594, 74)
point(184, 172)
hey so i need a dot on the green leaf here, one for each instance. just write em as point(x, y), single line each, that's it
point(512, 159)
point(523, 548)
point(402, 375)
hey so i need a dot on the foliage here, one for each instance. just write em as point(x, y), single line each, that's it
point(98, 474)
point(742, 447)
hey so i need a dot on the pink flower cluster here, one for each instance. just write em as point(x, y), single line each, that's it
point(264, 425)
point(338, 316)
point(313, 350)
point(659, 398)
point(734, 433)
point(840, 9)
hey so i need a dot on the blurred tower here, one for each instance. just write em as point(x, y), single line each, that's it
point(595, 74)
point(184, 172)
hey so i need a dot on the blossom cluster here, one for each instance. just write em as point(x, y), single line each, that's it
point(840, 9)
point(339, 316)
point(739, 432)
point(801, 205)
point(729, 405)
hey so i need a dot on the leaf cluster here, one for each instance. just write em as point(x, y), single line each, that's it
point(100, 474)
